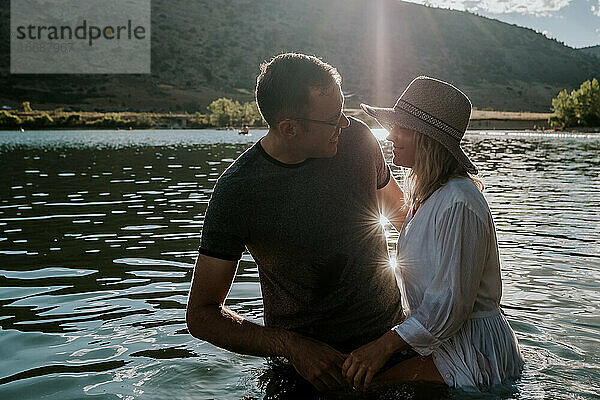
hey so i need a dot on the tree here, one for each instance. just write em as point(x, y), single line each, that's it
point(251, 115)
point(27, 106)
point(227, 112)
point(564, 110)
point(587, 103)
point(223, 112)
point(579, 108)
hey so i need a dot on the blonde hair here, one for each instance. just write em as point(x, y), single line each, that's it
point(434, 166)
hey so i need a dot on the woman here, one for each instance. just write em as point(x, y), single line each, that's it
point(447, 265)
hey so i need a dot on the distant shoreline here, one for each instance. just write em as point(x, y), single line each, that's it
point(483, 119)
point(59, 119)
point(87, 120)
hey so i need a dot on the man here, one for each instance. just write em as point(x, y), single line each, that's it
point(305, 201)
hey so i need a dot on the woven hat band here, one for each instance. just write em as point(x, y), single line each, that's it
point(428, 118)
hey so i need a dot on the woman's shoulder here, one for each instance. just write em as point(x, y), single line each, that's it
point(461, 192)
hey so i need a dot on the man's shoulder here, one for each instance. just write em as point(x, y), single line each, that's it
point(357, 127)
point(358, 133)
point(239, 172)
point(242, 166)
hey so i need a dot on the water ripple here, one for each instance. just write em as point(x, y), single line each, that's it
point(64, 369)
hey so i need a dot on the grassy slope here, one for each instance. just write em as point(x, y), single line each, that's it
point(203, 49)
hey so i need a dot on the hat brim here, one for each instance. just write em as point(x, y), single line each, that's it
point(390, 117)
point(384, 116)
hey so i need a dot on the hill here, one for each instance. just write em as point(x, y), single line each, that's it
point(594, 50)
point(204, 49)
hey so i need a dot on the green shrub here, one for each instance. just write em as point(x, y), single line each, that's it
point(7, 120)
point(74, 120)
point(69, 121)
point(111, 121)
point(199, 120)
point(43, 120)
point(143, 121)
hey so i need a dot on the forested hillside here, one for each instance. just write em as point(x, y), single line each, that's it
point(205, 49)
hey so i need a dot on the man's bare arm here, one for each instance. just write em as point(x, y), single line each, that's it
point(391, 203)
point(209, 320)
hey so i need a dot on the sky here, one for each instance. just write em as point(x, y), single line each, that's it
point(574, 22)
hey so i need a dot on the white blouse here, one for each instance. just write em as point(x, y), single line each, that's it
point(448, 271)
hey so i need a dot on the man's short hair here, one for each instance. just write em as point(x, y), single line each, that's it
point(283, 86)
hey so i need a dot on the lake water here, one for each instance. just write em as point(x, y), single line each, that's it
point(99, 230)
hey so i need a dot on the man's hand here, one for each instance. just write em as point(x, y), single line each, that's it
point(316, 362)
point(363, 363)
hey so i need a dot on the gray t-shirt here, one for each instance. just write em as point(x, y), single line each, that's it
point(313, 229)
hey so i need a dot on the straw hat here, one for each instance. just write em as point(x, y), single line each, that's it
point(434, 108)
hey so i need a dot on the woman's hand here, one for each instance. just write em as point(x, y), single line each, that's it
point(363, 363)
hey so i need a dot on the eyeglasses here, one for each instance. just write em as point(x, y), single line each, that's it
point(318, 121)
